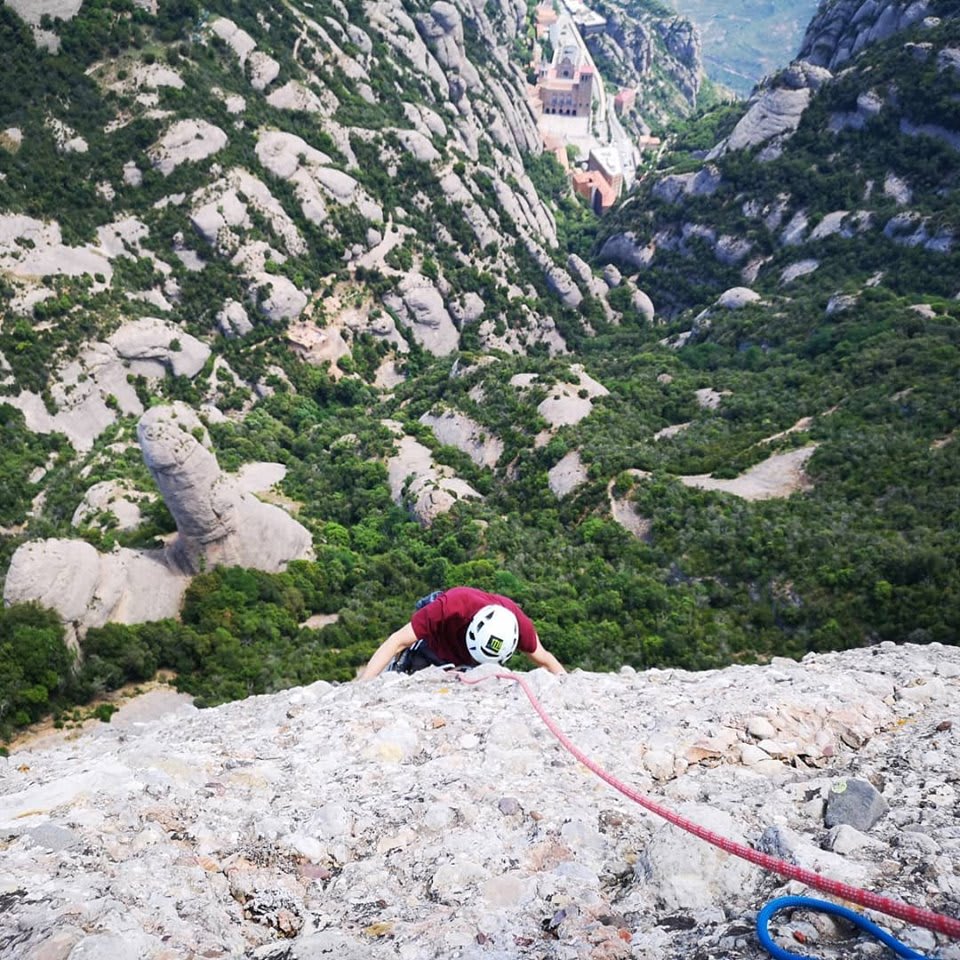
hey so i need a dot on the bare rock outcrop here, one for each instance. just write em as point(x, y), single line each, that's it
point(420, 306)
point(420, 812)
point(186, 140)
point(566, 474)
point(88, 589)
point(442, 29)
point(217, 523)
point(428, 488)
point(458, 430)
point(842, 28)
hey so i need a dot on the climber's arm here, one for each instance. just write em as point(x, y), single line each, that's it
point(543, 658)
point(397, 641)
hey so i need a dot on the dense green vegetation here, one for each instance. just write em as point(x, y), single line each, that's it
point(870, 552)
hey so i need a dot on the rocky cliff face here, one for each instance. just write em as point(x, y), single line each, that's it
point(659, 57)
point(842, 28)
point(870, 80)
point(416, 817)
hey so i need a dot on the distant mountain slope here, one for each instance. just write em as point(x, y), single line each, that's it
point(746, 40)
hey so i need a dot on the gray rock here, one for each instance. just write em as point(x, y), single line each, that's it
point(232, 319)
point(737, 297)
point(277, 297)
point(216, 522)
point(186, 140)
point(623, 248)
point(775, 113)
point(566, 474)
point(359, 800)
point(153, 346)
point(856, 803)
point(643, 305)
point(560, 283)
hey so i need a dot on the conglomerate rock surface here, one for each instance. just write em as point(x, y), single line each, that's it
point(417, 817)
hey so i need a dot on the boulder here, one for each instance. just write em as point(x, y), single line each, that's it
point(737, 297)
point(232, 319)
point(560, 283)
point(277, 298)
point(775, 113)
point(152, 347)
point(856, 803)
point(643, 305)
point(217, 523)
point(88, 589)
point(186, 140)
point(623, 248)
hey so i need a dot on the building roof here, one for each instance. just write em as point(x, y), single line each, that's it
point(607, 159)
point(587, 182)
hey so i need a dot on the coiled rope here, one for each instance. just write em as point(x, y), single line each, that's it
point(918, 916)
point(824, 906)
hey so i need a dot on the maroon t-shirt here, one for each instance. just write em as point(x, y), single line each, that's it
point(443, 623)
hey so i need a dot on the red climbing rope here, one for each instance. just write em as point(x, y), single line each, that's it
point(894, 908)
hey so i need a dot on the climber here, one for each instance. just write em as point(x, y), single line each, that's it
point(460, 627)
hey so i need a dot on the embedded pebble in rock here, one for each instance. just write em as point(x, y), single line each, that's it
point(418, 817)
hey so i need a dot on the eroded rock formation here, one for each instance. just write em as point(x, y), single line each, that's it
point(218, 523)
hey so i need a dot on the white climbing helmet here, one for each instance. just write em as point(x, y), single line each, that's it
point(493, 634)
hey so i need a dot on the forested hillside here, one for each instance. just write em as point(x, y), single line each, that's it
point(717, 427)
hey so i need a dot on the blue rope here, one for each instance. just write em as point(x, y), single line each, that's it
point(824, 906)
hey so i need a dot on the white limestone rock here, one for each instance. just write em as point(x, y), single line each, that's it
point(672, 187)
point(799, 269)
point(584, 277)
point(418, 145)
point(232, 319)
point(395, 792)
point(236, 38)
point(442, 29)
point(623, 248)
point(421, 307)
point(220, 213)
point(217, 523)
point(262, 70)
point(152, 347)
point(88, 589)
point(737, 297)
point(560, 283)
point(293, 95)
point(774, 113)
point(643, 305)
point(456, 429)
point(277, 298)
point(566, 474)
point(429, 489)
point(31, 249)
point(117, 499)
point(468, 310)
point(186, 141)
point(793, 232)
